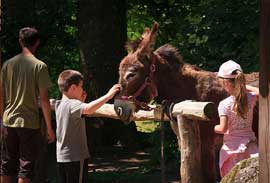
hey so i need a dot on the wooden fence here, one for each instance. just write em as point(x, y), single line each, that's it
point(187, 114)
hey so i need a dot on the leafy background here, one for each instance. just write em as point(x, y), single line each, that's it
point(206, 33)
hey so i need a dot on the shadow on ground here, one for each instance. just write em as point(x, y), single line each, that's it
point(116, 165)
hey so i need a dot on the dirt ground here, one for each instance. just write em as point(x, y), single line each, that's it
point(116, 165)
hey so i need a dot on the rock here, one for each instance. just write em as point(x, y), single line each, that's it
point(246, 171)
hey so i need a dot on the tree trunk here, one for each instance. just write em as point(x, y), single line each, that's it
point(102, 36)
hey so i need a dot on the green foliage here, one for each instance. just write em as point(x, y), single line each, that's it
point(55, 19)
point(207, 33)
point(146, 126)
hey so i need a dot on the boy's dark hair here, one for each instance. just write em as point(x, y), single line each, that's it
point(28, 36)
point(68, 78)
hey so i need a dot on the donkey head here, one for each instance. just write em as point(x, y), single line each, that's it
point(136, 71)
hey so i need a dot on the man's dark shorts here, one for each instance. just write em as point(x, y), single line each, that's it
point(20, 149)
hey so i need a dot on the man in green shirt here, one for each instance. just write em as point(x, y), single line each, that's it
point(25, 82)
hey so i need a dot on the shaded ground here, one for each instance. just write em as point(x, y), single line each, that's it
point(116, 165)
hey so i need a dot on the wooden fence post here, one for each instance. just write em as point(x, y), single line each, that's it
point(264, 118)
point(191, 168)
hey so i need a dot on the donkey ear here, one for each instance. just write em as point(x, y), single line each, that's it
point(148, 39)
point(145, 42)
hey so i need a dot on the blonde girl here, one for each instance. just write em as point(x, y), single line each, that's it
point(236, 116)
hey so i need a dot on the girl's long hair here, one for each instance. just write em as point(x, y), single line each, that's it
point(241, 102)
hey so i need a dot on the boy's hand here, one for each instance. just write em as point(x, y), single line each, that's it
point(116, 88)
point(83, 97)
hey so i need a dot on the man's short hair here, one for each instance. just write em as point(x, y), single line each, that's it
point(68, 78)
point(28, 36)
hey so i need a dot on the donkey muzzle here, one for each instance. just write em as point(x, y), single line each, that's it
point(124, 109)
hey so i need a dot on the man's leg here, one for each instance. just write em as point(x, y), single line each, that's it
point(24, 180)
point(41, 164)
point(9, 156)
point(29, 145)
point(5, 179)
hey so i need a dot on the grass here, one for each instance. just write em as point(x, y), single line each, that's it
point(147, 126)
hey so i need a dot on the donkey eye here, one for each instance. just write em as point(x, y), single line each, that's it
point(130, 75)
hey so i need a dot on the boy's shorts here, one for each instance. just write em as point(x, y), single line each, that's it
point(70, 172)
point(20, 149)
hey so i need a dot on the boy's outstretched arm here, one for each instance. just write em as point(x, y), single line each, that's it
point(91, 107)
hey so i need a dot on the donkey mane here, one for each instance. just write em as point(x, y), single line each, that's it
point(170, 56)
point(206, 84)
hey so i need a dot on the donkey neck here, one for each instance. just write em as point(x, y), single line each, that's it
point(173, 85)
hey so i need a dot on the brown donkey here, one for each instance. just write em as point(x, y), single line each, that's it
point(162, 75)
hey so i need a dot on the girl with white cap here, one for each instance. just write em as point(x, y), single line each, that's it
point(236, 116)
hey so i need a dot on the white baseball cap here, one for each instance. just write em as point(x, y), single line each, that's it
point(227, 69)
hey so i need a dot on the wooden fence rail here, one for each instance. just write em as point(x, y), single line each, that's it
point(188, 109)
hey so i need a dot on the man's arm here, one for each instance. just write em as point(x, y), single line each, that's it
point(3, 131)
point(1, 99)
point(46, 110)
